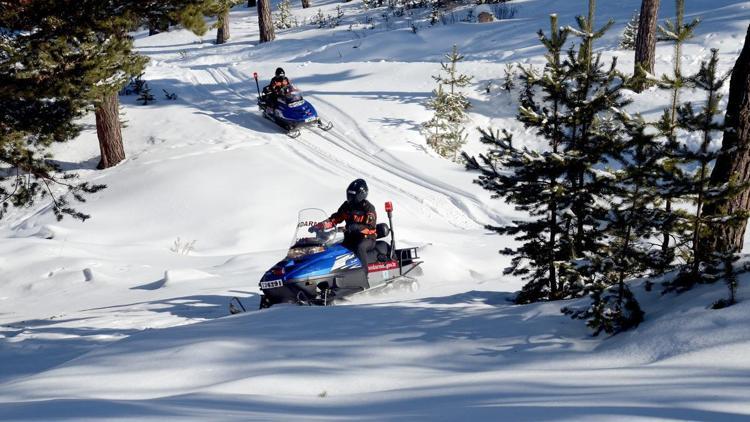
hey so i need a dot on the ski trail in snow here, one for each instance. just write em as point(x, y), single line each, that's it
point(458, 197)
point(453, 204)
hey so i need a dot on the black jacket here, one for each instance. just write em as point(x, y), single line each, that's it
point(360, 220)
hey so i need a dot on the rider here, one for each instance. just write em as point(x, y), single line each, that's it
point(276, 87)
point(360, 217)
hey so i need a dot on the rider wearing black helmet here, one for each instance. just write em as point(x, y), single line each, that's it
point(360, 217)
point(276, 87)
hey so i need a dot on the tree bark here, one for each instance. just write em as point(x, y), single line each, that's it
point(107, 114)
point(222, 33)
point(734, 165)
point(265, 22)
point(251, 3)
point(305, 4)
point(645, 42)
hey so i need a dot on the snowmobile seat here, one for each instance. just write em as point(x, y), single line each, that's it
point(381, 252)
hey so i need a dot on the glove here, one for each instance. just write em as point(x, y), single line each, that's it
point(323, 225)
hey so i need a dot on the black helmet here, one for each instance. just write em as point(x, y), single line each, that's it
point(356, 192)
point(280, 72)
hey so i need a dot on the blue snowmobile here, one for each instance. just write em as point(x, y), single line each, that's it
point(289, 110)
point(319, 270)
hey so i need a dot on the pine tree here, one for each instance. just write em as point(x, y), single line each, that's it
point(536, 182)
point(627, 41)
point(697, 187)
point(730, 278)
point(284, 18)
point(509, 81)
point(146, 97)
point(678, 32)
point(569, 106)
point(629, 227)
point(593, 93)
point(444, 131)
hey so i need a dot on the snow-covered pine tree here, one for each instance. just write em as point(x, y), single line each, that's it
point(594, 92)
point(677, 32)
point(627, 40)
point(730, 278)
point(509, 80)
point(146, 96)
point(444, 131)
point(455, 81)
point(588, 34)
point(535, 182)
point(697, 188)
point(284, 18)
point(529, 78)
point(629, 227)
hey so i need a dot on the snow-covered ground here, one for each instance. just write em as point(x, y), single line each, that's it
point(124, 316)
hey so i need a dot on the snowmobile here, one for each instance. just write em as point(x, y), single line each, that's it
point(319, 270)
point(290, 110)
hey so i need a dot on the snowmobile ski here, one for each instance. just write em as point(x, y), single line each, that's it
point(235, 306)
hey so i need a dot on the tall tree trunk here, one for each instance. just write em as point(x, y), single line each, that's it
point(222, 33)
point(305, 4)
point(107, 114)
point(645, 42)
point(265, 22)
point(735, 164)
point(251, 3)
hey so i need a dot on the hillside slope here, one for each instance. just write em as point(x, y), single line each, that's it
point(124, 316)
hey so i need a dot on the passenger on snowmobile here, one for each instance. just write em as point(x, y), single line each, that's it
point(278, 85)
point(360, 217)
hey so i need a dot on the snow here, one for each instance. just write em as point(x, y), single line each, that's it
point(124, 316)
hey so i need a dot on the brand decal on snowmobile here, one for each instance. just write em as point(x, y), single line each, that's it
point(271, 284)
point(306, 223)
point(343, 261)
point(382, 266)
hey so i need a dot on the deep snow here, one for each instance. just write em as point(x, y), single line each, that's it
point(147, 337)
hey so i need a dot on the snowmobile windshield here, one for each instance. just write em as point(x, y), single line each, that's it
point(292, 95)
point(308, 240)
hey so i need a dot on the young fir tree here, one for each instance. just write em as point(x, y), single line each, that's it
point(677, 32)
point(627, 40)
point(445, 133)
point(629, 227)
point(284, 18)
point(146, 96)
point(509, 80)
point(535, 182)
point(594, 91)
point(730, 278)
point(697, 187)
